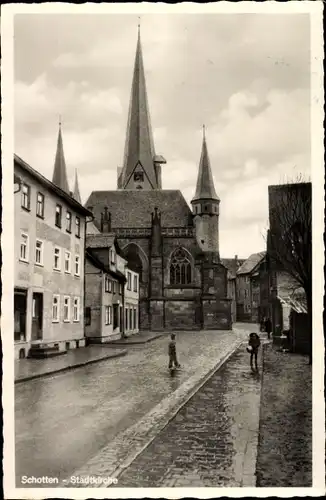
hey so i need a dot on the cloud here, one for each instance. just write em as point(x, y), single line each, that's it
point(242, 75)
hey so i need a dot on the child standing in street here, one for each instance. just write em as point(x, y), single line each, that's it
point(254, 343)
point(173, 362)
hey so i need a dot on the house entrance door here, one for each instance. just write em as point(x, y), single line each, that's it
point(37, 316)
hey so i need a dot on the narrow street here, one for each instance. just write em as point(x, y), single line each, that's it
point(64, 420)
point(212, 441)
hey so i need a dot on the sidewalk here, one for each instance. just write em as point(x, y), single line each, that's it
point(285, 442)
point(29, 369)
point(138, 338)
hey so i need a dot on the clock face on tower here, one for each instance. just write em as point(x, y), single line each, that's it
point(139, 176)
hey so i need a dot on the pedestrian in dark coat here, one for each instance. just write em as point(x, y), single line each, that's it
point(268, 327)
point(173, 353)
point(254, 343)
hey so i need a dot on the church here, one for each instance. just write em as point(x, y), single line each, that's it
point(175, 249)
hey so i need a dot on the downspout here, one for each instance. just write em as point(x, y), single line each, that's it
point(84, 280)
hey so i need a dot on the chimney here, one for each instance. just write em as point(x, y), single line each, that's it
point(236, 258)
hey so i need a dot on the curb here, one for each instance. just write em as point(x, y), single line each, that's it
point(137, 342)
point(149, 430)
point(257, 473)
point(70, 367)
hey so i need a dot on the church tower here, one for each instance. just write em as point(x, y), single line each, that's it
point(60, 178)
point(206, 206)
point(141, 166)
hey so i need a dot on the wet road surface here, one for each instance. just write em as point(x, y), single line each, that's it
point(62, 421)
point(212, 441)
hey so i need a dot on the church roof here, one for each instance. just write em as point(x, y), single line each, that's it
point(205, 185)
point(60, 178)
point(133, 208)
point(139, 146)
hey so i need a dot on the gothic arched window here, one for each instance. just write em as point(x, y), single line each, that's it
point(180, 268)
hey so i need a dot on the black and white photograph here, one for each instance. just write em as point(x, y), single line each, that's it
point(162, 250)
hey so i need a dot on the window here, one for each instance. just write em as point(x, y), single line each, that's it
point(88, 316)
point(78, 227)
point(139, 176)
point(66, 309)
point(26, 196)
point(40, 205)
point(67, 261)
point(55, 308)
point(128, 280)
point(113, 286)
point(110, 286)
point(58, 215)
point(120, 288)
point(24, 247)
point(180, 268)
point(126, 318)
point(68, 222)
point(76, 308)
point(57, 257)
point(135, 283)
point(39, 252)
point(108, 315)
point(106, 283)
point(135, 318)
point(77, 265)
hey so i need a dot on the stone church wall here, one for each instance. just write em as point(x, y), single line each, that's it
point(180, 315)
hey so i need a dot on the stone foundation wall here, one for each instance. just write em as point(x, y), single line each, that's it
point(180, 315)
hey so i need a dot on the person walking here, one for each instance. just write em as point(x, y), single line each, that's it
point(268, 327)
point(254, 343)
point(173, 361)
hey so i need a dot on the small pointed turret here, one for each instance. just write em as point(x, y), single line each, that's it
point(76, 194)
point(60, 178)
point(206, 206)
point(141, 167)
point(205, 189)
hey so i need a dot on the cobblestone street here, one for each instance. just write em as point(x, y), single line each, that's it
point(212, 440)
point(64, 420)
point(285, 445)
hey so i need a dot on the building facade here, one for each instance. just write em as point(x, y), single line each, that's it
point(112, 291)
point(175, 250)
point(232, 266)
point(248, 284)
point(49, 264)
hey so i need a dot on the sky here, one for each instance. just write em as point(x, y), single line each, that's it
point(245, 76)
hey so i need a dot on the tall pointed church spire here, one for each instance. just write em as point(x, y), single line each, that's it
point(205, 185)
point(60, 171)
point(76, 194)
point(141, 167)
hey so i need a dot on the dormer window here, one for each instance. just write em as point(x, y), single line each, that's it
point(139, 176)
